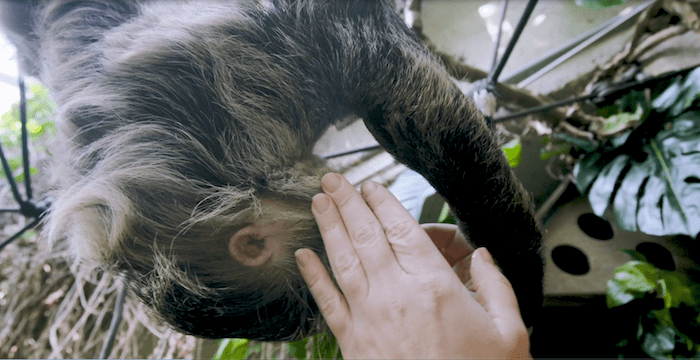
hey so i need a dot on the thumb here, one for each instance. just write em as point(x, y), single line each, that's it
point(495, 293)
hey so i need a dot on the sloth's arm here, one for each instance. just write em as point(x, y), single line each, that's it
point(415, 111)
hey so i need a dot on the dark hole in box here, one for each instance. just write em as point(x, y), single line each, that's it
point(595, 227)
point(657, 255)
point(571, 260)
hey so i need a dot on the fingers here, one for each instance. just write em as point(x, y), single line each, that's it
point(346, 266)
point(463, 270)
point(495, 294)
point(450, 241)
point(358, 232)
point(454, 248)
point(329, 300)
point(411, 245)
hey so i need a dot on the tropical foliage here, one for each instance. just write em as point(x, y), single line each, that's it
point(40, 125)
point(322, 346)
point(667, 305)
point(650, 174)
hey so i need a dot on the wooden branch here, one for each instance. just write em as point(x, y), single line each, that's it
point(688, 11)
point(657, 39)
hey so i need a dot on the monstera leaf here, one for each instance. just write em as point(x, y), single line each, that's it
point(659, 195)
point(680, 95)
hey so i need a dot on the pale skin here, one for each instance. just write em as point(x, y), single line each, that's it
point(400, 297)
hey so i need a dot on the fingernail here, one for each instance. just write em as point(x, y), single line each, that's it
point(368, 187)
point(302, 258)
point(483, 255)
point(321, 203)
point(331, 182)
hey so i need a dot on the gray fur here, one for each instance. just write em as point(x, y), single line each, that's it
point(183, 119)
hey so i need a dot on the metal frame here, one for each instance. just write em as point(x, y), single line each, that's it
point(27, 207)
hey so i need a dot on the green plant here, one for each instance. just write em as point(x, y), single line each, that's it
point(321, 346)
point(40, 125)
point(513, 151)
point(232, 349)
point(648, 175)
point(668, 327)
point(40, 109)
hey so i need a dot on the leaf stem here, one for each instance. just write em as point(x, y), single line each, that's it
point(667, 172)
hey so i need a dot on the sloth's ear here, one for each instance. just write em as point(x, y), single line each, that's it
point(249, 247)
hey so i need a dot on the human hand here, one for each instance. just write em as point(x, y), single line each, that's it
point(400, 298)
point(453, 247)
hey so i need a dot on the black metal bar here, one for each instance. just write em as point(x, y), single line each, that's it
point(114, 325)
point(596, 96)
point(10, 178)
point(628, 18)
point(19, 233)
point(25, 138)
point(561, 50)
point(543, 108)
point(493, 76)
point(494, 58)
point(10, 210)
point(349, 152)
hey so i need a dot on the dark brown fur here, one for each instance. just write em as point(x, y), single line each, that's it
point(187, 121)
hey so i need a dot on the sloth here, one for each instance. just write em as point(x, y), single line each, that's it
point(186, 161)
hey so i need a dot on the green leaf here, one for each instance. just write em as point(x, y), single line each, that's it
point(15, 163)
point(650, 205)
point(633, 99)
point(40, 109)
point(660, 194)
point(297, 349)
point(513, 151)
point(30, 234)
point(446, 216)
point(554, 150)
point(631, 281)
point(600, 192)
point(664, 293)
point(599, 4)
point(607, 110)
point(326, 347)
point(32, 171)
point(667, 174)
point(626, 200)
point(662, 316)
point(618, 123)
point(680, 95)
point(620, 140)
point(660, 342)
point(585, 145)
point(232, 349)
point(679, 147)
point(668, 98)
point(678, 289)
point(586, 170)
point(617, 295)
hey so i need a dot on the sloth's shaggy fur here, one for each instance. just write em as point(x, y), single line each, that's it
point(187, 120)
